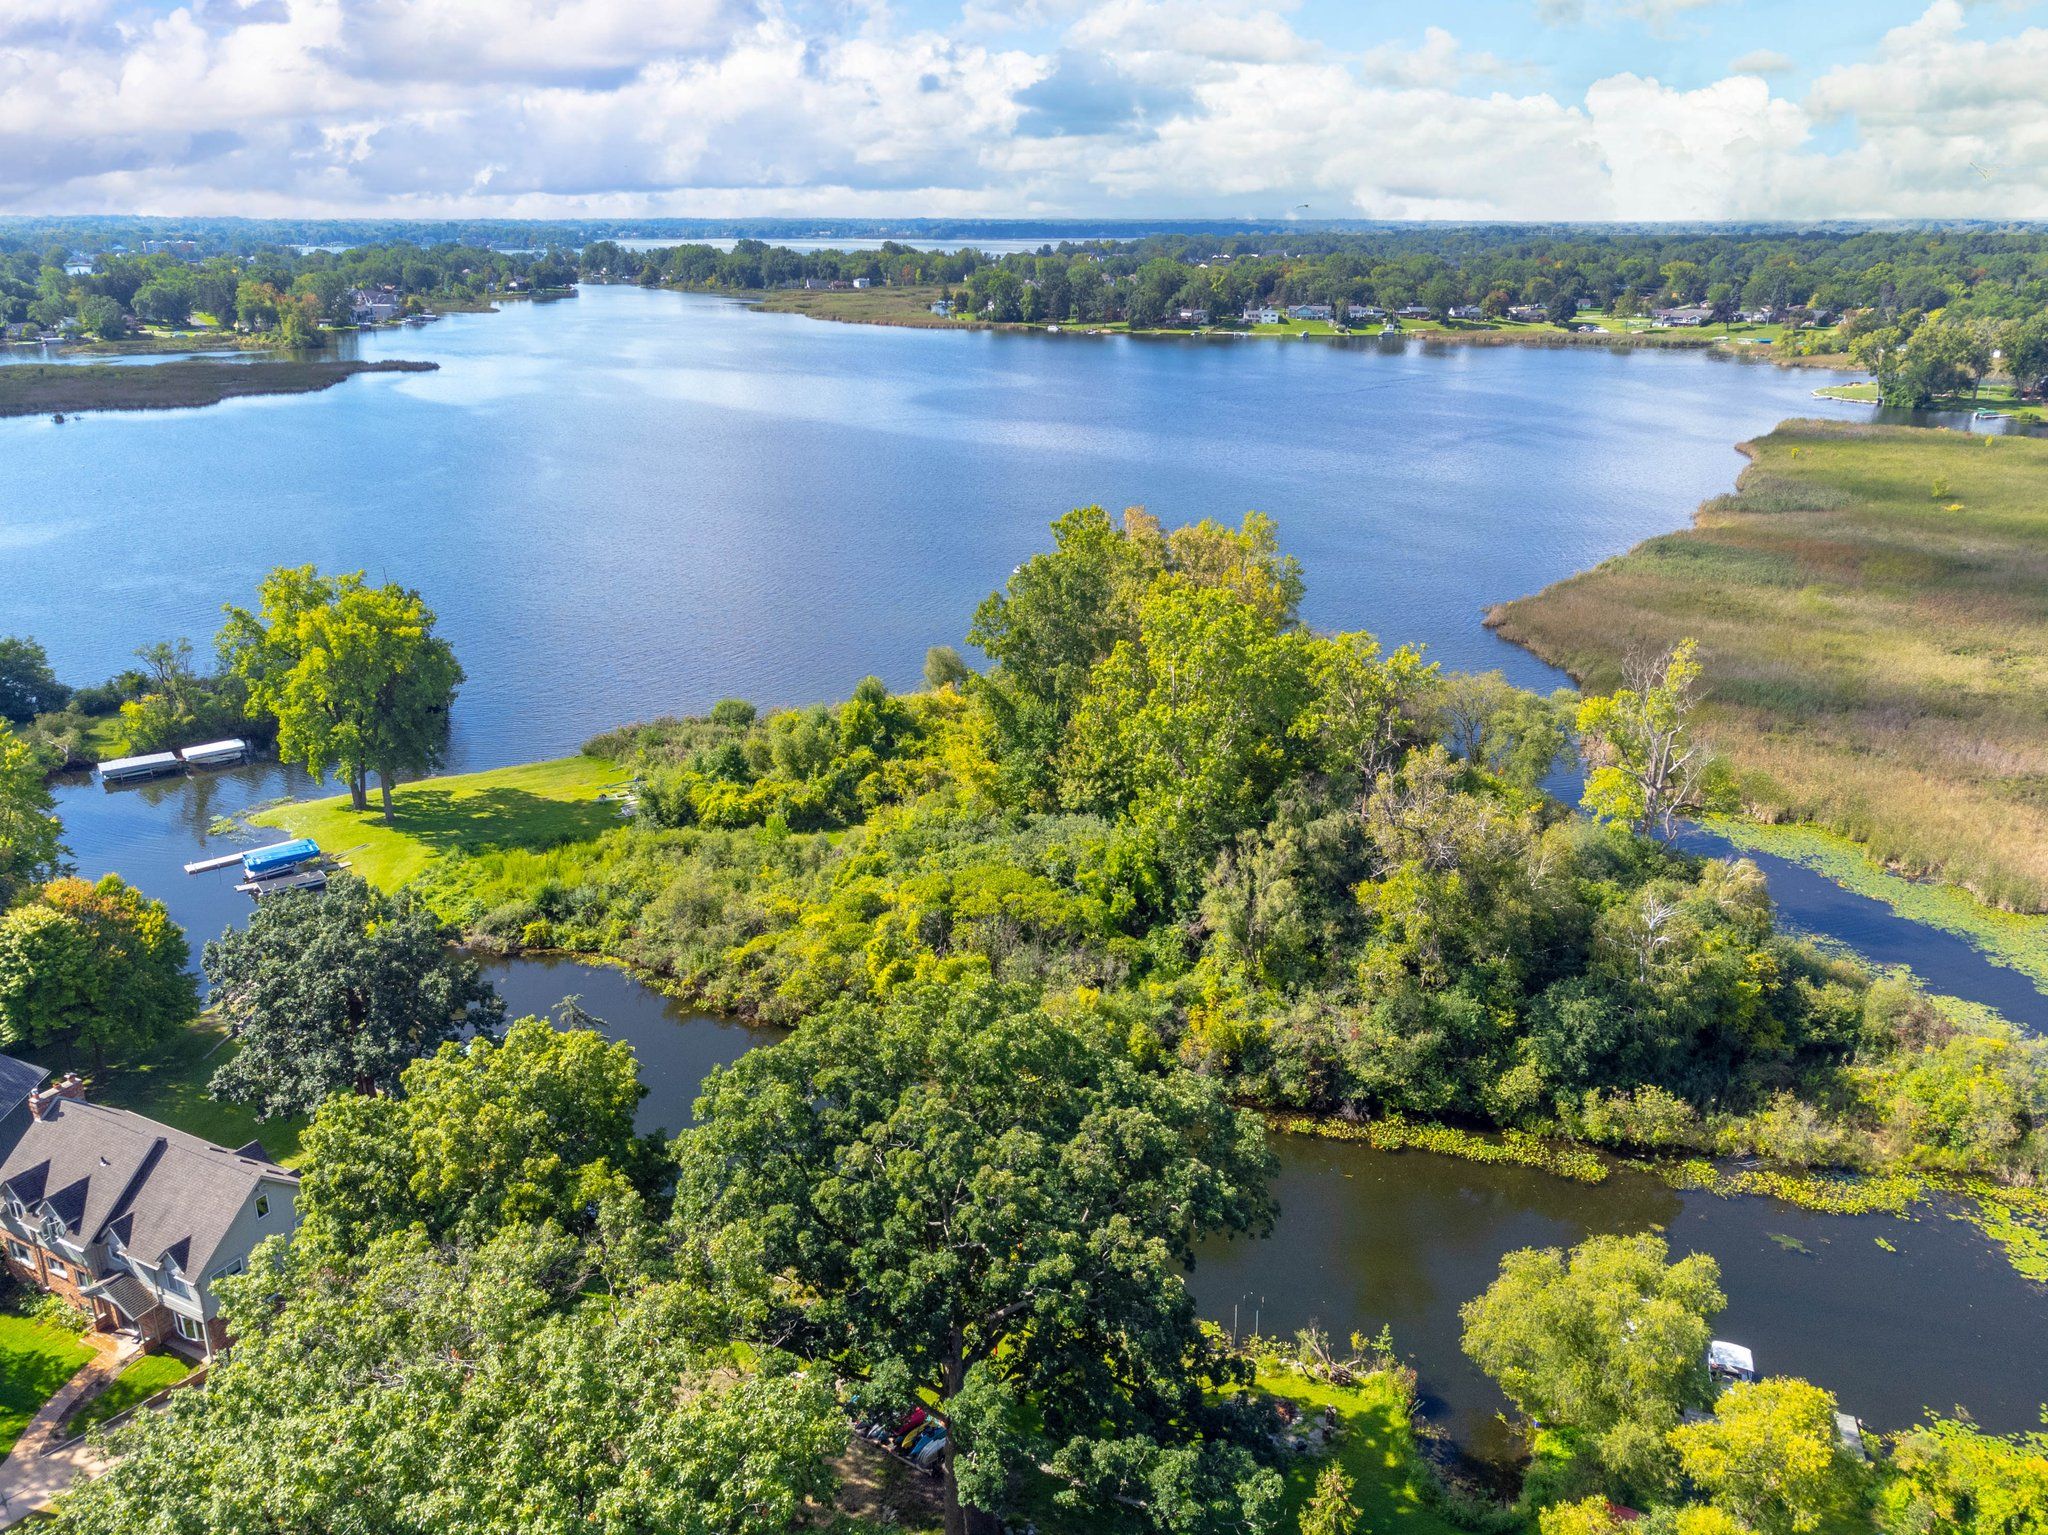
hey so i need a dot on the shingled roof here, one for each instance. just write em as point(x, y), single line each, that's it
point(107, 1172)
point(17, 1080)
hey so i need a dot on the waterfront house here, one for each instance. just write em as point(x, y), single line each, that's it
point(1467, 312)
point(372, 306)
point(1684, 314)
point(941, 306)
point(1262, 314)
point(1313, 312)
point(129, 1220)
point(1413, 311)
point(1527, 314)
point(1193, 316)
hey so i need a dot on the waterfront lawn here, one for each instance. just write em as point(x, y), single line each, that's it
point(1872, 612)
point(1999, 397)
point(144, 1376)
point(533, 806)
point(171, 1087)
point(1377, 1450)
point(36, 1358)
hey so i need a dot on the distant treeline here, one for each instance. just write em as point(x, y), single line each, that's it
point(271, 289)
point(1975, 271)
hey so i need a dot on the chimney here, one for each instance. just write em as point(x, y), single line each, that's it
point(71, 1087)
point(40, 1100)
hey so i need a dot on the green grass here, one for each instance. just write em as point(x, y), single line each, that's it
point(534, 806)
point(171, 1088)
point(1998, 397)
point(36, 1358)
point(1376, 1449)
point(1872, 613)
point(144, 1376)
point(32, 389)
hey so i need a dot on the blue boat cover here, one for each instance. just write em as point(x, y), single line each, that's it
point(279, 855)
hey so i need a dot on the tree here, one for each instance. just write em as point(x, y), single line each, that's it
point(973, 1203)
point(1330, 1510)
point(99, 966)
point(338, 990)
point(354, 675)
point(483, 1134)
point(943, 668)
point(413, 1388)
point(101, 316)
point(1769, 1456)
point(1648, 768)
point(1951, 1478)
point(2025, 348)
point(27, 685)
point(1609, 1340)
point(31, 845)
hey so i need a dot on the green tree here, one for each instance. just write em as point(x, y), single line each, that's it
point(415, 1388)
point(337, 991)
point(1769, 1456)
point(1649, 767)
point(354, 675)
point(31, 837)
point(1609, 1339)
point(1192, 727)
point(943, 668)
point(1330, 1510)
point(27, 685)
point(1949, 1477)
point(965, 1199)
point(101, 316)
point(482, 1134)
point(2024, 346)
point(98, 966)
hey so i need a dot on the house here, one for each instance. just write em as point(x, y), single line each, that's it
point(1313, 312)
point(1685, 314)
point(1467, 312)
point(1527, 314)
point(1365, 312)
point(942, 306)
point(1193, 316)
point(863, 282)
point(129, 1220)
point(78, 266)
point(1262, 314)
point(1413, 311)
point(372, 306)
point(1763, 316)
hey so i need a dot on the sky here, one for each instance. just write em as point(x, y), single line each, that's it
point(1260, 109)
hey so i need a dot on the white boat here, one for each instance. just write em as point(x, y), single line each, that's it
point(1730, 1362)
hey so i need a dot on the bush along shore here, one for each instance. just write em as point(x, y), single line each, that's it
point(32, 389)
point(1315, 869)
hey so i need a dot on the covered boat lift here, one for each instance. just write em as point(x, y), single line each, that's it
point(216, 753)
point(131, 769)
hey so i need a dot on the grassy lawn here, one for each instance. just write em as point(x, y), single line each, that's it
point(536, 805)
point(35, 1359)
point(172, 1088)
point(1376, 1449)
point(1872, 612)
point(144, 1377)
point(1999, 397)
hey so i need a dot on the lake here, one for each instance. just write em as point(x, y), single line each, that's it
point(627, 503)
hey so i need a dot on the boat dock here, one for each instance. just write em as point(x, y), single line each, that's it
point(215, 753)
point(134, 769)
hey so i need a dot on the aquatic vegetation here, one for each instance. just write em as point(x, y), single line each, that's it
point(1511, 1148)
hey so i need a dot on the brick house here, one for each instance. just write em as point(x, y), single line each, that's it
point(129, 1220)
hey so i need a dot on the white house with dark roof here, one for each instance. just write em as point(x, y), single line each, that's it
point(130, 1220)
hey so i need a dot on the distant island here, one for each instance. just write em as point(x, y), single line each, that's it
point(34, 389)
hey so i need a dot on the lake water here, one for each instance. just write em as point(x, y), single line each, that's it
point(628, 503)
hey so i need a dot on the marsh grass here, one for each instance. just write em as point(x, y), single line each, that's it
point(1877, 655)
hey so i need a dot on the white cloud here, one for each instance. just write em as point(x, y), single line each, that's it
point(1160, 107)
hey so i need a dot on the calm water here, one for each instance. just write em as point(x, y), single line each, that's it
point(631, 503)
point(1370, 1238)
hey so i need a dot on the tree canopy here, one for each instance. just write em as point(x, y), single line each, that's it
point(354, 675)
point(31, 846)
point(97, 966)
point(337, 991)
point(966, 1200)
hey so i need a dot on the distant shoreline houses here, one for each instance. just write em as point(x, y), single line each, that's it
point(129, 1220)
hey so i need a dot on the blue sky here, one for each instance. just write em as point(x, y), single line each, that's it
point(1529, 109)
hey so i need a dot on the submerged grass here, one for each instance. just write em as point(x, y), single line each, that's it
point(1872, 610)
point(1513, 1148)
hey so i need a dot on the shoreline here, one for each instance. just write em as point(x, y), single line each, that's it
point(71, 389)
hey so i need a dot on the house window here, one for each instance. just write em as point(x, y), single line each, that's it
point(190, 1329)
point(222, 1273)
point(21, 1255)
point(56, 1269)
point(262, 1205)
